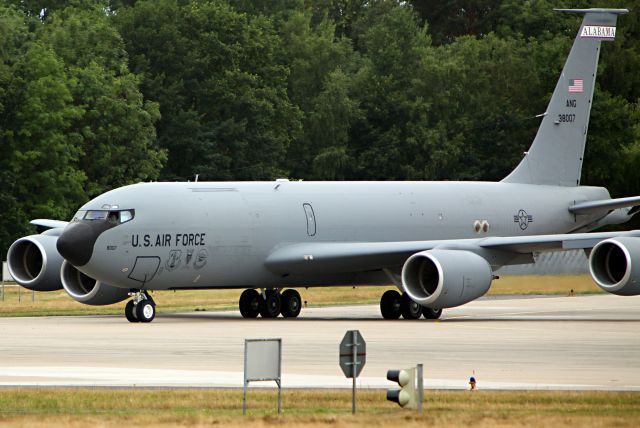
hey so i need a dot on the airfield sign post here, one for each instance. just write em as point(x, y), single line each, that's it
point(262, 362)
point(353, 355)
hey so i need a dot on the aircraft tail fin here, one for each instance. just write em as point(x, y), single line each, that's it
point(555, 156)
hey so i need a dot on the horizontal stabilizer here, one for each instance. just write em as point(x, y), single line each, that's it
point(52, 224)
point(594, 207)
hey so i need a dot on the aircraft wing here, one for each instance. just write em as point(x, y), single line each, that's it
point(52, 224)
point(313, 257)
point(593, 207)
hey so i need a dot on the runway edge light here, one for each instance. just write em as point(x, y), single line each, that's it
point(408, 395)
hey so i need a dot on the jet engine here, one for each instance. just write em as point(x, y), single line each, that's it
point(34, 262)
point(615, 265)
point(87, 290)
point(446, 278)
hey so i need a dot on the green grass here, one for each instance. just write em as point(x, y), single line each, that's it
point(19, 303)
point(166, 407)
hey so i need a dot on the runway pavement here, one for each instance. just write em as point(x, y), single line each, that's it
point(587, 342)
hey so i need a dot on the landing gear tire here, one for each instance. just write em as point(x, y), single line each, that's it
point(270, 305)
point(130, 311)
point(250, 303)
point(291, 303)
point(390, 304)
point(410, 310)
point(431, 314)
point(145, 311)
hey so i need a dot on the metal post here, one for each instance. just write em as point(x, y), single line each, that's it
point(354, 361)
point(420, 388)
point(279, 397)
point(245, 381)
point(19, 294)
point(33, 295)
point(244, 399)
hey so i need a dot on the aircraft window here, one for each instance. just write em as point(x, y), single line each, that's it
point(79, 215)
point(125, 216)
point(115, 217)
point(96, 215)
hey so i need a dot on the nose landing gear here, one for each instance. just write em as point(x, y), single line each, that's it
point(141, 308)
point(270, 303)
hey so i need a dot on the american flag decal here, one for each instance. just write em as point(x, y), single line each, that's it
point(576, 86)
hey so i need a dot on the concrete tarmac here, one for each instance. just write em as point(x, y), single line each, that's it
point(585, 342)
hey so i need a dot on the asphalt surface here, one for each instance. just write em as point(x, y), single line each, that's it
point(586, 342)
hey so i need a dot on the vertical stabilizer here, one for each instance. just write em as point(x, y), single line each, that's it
point(555, 157)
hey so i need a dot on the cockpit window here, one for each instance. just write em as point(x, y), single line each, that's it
point(79, 215)
point(125, 216)
point(113, 216)
point(96, 215)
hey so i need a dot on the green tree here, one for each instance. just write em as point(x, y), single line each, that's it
point(115, 133)
point(223, 97)
point(48, 182)
point(13, 37)
point(321, 69)
point(398, 137)
point(612, 153)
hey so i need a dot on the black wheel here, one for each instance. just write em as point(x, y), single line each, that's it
point(431, 314)
point(410, 310)
point(250, 303)
point(130, 311)
point(390, 305)
point(291, 303)
point(145, 311)
point(270, 304)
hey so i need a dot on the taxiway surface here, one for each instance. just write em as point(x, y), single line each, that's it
point(586, 342)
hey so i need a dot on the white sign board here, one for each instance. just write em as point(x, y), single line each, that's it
point(262, 359)
point(6, 276)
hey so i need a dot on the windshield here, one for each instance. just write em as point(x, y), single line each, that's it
point(112, 216)
point(79, 215)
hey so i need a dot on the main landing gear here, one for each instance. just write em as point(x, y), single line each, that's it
point(270, 303)
point(141, 308)
point(394, 304)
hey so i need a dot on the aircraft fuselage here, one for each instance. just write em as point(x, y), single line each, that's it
point(219, 234)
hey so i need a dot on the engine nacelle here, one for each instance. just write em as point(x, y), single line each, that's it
point(34, 262)
point(615, 265)
point(87, 290)
point(446, 278)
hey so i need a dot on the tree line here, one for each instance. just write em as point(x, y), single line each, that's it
point(96, 94)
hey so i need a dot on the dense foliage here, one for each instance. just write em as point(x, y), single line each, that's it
point(95, 94)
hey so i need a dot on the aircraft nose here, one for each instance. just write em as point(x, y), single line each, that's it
point(76, 242)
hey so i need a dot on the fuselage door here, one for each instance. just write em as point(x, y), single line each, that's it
point(311, 219)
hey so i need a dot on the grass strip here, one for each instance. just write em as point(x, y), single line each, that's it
point(312, 408)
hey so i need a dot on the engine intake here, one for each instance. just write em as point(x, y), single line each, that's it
point(615, 265)
point(446, 278)
point(34, 262)
point(87, 290)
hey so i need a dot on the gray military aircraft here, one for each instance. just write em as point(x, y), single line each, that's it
point(439, 242)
